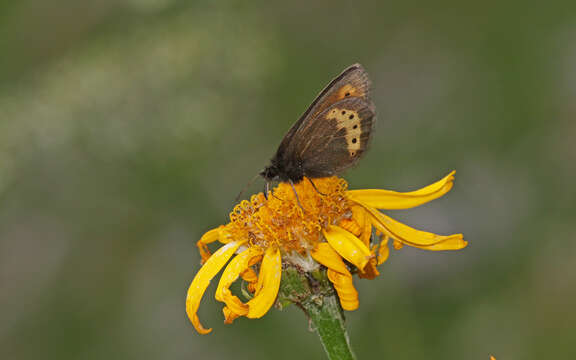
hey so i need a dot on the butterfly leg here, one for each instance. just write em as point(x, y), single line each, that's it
point(296, 194)
point(267, 190)
point(314, 186)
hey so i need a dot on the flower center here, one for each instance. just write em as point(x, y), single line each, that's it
point(282, 220)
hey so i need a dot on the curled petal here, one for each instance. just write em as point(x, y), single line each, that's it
point(251, 287)
point(249, 275)
point(237, 266)
point(383, 250)
point(358, 214)
point(327, 256)
point(416, 238)
point(202, 279)
point(268, 284)
point(229, 315)
point(345, 289)
point(367, 231)
point(348, 246)
point(364, 227)
point(370, 271)
point(351, 226)
point(391, 200)
point(207, 238)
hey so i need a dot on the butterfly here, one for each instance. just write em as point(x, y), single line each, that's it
point(331, 135)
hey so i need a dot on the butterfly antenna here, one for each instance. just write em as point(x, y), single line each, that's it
point(246, 186)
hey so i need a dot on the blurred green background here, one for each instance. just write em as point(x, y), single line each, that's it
point(127, 128)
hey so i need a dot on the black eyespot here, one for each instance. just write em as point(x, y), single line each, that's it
point(354, 141)
point(347, 94)
point(352, 153)
point(355, 127)
point(351, 117)
point(343, 112)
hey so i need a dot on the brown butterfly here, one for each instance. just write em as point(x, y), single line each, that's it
point(331, 135)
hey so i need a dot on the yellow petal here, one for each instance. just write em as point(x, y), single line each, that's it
point(383, 250)
point(397, 245)
point(391, 200)
point(345, 288)
point(347, 245)
point(327, 256)
point(268, 284)
point(202, 280)
point(207, 238)
point(359, 215)
point(238, 265)
point(370, 271)
point(351, 226)
point(229, 315)
point(416, 238)
point(249, 275)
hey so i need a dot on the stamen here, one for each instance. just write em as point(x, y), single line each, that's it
point(280, 219)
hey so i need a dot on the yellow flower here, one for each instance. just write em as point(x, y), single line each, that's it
point(326, 224)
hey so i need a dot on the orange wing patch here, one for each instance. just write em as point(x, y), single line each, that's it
point(346, 91)
point(349, 90)
point(349, 120)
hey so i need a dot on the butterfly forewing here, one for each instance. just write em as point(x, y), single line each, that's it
point(331, 135)
point(336, 140)
point(352, 82)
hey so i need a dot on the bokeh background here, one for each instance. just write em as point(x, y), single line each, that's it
point(128, 127)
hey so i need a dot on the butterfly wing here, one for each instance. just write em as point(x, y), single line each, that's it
point(335, 139)
point(352, 82)
point(332, 134)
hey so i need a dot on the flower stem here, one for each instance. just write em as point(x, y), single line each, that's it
point(315, 295)
point(328, 322)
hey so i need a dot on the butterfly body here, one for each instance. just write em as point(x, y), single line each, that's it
point(331, 135)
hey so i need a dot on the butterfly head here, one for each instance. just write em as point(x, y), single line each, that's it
point(270, 173)
point(284, 171)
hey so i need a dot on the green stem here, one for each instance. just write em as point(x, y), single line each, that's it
point(316, 296)
point(328, 322)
